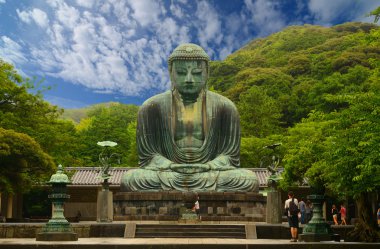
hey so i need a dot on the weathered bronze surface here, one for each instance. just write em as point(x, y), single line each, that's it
point(189, 138)
point(58, 228)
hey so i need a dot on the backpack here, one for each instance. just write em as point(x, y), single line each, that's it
point(293, 209)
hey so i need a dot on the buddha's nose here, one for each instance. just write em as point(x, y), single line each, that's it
point(189, 77)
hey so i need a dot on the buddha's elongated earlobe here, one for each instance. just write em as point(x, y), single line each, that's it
point(172, 77)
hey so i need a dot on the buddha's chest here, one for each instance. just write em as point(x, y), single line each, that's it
point(188, 130)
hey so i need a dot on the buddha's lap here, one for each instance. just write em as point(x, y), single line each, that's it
point(140, 174)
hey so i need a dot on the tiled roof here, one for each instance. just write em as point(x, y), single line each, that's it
point(91, 175)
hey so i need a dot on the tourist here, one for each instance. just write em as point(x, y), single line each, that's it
point(292, 208)
point(302, 206)
point(343, 213)
point(309, 211)
point(334, 212)
point(197, 208)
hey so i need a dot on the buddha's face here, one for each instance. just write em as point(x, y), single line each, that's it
point(189, 77)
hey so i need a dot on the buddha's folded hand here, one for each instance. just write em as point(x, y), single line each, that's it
point(190, 168)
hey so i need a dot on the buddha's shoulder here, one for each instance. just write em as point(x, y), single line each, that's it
point(157, 100)
point(220, 100)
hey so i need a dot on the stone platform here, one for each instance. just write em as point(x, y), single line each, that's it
point(214, 206)
point(118, 229)
point(161, 243)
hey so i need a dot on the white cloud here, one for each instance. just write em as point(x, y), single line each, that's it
point(86, 47)
point(265, 17)
point(67, 16)
point(11, 51)
point(2, 1)
point(176, 10)
point(145, 11)
point(209, 24)
point(85, 3)
point(326, 11)
point(36, 15)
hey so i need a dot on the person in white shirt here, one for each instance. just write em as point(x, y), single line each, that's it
point(196, 206)
point(292, 214)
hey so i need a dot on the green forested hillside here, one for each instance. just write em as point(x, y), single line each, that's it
point(76, 115)
point(277, 81)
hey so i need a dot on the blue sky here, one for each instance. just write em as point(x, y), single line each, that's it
point(93, 51)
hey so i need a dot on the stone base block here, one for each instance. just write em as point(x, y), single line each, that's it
point(56, 236)
point(167, 205)
point(313, 237)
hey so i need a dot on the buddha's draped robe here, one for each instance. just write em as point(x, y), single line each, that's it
point(220, 151)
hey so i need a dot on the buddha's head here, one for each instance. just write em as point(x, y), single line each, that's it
point(188, 68)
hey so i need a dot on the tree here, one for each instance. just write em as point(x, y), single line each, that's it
point(132, 158)
point(355, 158)
point(253, 151)
point(338, 151)
point(107, 123)
point(28, 113)
point(22, 162)
point(260, 114)
point(376, 14)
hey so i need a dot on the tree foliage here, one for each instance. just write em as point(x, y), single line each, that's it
point(22, 162)
point(317, 89)
point(27, 112)
point(108, 122)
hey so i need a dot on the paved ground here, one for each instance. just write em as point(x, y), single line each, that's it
point(143, 241)
point(171, 243)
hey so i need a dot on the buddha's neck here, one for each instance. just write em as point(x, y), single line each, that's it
point(188, 99)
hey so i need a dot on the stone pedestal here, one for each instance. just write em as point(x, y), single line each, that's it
point(104, 206)
point(57, 236)
point(274, 207)
point(166, 205)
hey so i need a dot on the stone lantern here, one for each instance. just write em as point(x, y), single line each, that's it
point(317, 229)
point(58, 228)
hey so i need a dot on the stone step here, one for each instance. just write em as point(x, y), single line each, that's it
point(187, 235)
point(189, 231)
point(191, 226)
point(193, 230)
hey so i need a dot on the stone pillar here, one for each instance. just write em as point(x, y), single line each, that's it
point(104, 206)
point(10, 206)
point(274, 207)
